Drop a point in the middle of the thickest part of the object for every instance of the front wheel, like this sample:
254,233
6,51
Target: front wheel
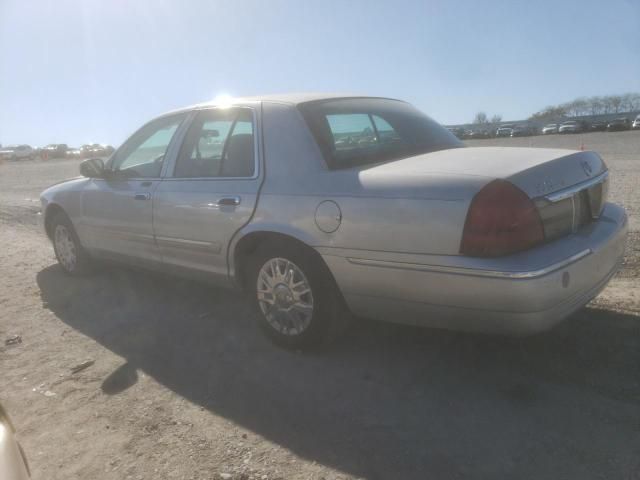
297,301
70,254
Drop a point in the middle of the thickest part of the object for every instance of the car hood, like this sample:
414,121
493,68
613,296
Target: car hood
459,173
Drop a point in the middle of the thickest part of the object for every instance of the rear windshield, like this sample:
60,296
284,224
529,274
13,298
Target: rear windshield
364,131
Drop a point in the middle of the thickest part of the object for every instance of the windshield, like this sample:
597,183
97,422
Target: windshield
364,131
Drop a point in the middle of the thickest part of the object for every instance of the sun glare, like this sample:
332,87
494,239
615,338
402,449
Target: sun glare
223,100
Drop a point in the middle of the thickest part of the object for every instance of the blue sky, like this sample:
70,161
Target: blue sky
78,71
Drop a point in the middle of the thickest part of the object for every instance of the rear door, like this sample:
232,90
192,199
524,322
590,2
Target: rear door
210,192
117,210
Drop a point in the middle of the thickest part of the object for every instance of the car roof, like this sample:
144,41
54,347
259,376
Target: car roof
284,98
291,98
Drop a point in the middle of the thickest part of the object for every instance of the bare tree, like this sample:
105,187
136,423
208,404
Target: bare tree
629,102
595,105
616,103
480,118
550,114
495,119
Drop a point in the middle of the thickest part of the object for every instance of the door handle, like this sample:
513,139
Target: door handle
229,202
142,196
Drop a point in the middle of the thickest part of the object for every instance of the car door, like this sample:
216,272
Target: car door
117,210
211,191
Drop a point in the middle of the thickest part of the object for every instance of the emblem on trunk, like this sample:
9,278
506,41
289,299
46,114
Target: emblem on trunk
586,167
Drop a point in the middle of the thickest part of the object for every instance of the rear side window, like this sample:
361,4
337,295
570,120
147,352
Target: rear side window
365,131
219,143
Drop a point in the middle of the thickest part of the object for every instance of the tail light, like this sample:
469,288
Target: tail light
501,220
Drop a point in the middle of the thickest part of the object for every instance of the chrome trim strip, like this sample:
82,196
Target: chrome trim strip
569,192
124,234
470,271
573,214
209,246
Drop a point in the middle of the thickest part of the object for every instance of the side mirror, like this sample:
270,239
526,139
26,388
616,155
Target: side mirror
92,168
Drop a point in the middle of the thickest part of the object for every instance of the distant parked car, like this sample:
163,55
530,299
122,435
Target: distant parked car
619,124
598,126
522,131
17,152
570,126
477,134
504,131
74,153
55,150
97,150
550,129
84,150
636,123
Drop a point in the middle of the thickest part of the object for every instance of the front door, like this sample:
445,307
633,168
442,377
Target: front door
211,192
118,210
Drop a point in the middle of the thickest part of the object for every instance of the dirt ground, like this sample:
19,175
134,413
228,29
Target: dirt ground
183,386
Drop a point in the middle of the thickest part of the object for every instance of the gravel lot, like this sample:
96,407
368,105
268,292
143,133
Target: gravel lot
183,386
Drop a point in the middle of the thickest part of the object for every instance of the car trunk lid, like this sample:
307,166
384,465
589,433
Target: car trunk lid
568,187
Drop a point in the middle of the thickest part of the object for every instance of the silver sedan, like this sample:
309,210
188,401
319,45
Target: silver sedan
322,207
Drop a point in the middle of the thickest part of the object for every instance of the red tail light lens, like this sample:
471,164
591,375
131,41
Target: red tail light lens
502,219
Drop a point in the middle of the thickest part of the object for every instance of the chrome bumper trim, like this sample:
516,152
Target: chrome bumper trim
569,192
469,271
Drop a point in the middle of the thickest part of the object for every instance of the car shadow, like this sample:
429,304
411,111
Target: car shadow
385,401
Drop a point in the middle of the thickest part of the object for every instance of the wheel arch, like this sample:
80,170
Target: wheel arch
49,213
246,244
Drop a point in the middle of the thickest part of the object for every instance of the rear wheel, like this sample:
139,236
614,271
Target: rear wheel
297,301
70,254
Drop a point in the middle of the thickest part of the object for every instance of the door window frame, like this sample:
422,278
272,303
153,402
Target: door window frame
169,172
170,153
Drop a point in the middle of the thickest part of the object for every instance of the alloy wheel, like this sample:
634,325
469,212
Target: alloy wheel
65,247
284,296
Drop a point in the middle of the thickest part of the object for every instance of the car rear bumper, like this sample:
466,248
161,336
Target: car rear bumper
518,294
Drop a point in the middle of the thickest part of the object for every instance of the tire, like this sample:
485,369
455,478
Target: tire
71,256
290,317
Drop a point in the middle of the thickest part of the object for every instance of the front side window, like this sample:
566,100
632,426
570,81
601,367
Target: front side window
142,156
364,131
219,143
